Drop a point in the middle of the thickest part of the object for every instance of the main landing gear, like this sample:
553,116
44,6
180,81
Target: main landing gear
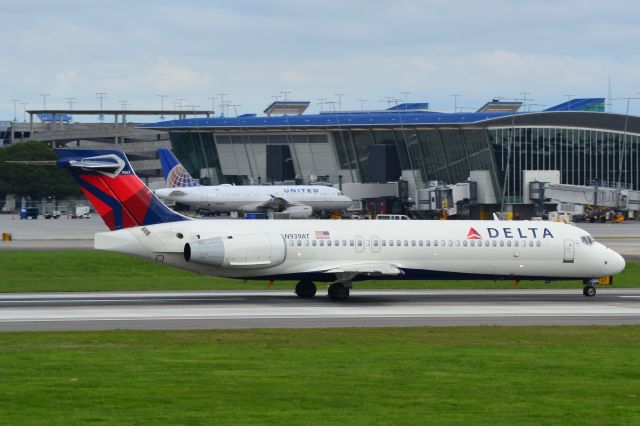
306,289
337,291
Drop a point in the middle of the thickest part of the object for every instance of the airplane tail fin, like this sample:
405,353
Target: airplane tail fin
113,188
174,172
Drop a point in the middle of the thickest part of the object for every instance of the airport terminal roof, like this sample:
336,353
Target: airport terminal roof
390,117
329,120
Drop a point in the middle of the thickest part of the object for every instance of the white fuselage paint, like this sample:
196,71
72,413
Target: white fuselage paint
502,248
228,198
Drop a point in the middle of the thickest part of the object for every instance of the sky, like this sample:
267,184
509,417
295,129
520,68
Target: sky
368,50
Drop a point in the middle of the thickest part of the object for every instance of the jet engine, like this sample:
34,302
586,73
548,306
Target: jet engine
299,212
240,251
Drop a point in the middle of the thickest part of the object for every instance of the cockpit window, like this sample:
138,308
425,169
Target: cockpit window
586,239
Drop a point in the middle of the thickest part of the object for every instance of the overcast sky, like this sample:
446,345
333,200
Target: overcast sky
253,50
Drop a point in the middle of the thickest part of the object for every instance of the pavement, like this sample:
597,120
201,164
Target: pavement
282,309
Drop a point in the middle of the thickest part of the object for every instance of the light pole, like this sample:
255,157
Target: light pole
213,105
406,96
101,96
362,101
71,101
124,104
162,106
221,97
569,101
284,94
44,100
339,96
15,109
321,102
524,99
455,101
24,111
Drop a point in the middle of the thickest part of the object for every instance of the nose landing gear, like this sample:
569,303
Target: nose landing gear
589,291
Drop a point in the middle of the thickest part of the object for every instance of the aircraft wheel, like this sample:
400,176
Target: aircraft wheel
589,291
306,289
337,291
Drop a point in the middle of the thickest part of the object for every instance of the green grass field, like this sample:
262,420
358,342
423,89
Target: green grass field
44,271
440,376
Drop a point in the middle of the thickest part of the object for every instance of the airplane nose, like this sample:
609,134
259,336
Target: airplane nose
616,263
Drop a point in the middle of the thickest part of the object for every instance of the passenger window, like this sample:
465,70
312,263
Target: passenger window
321,243
406,243
464,243
538,243
442,243
336,242
291,243
509,243
435,243
473,243
328,243
398,242
390,243
344,243
515,243
306,243
494,243
299,243
375,243
313,243
351,243
384,243
501,243
413,243
457,243
450,243
486,243
530,243
427,242
420,243
359,243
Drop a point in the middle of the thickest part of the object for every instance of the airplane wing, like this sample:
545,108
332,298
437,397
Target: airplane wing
370,269
276,203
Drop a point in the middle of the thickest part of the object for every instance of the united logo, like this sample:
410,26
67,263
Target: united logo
473,235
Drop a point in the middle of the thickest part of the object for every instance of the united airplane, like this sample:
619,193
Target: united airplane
299,201
338,252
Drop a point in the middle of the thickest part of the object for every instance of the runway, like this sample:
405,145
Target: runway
278,309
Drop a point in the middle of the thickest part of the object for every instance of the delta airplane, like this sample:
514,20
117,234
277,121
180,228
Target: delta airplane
300,201
340,252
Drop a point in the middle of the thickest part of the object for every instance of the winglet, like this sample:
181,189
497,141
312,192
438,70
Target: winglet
174,172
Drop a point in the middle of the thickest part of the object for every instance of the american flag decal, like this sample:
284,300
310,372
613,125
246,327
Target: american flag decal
322,235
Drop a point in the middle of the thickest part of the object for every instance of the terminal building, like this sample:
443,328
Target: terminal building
405,159
389,159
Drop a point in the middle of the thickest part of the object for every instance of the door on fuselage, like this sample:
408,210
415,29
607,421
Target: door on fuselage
569,251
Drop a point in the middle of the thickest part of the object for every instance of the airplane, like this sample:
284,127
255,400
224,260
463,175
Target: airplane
341,252
300,201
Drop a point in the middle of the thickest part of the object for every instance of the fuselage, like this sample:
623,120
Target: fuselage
228,198
419,249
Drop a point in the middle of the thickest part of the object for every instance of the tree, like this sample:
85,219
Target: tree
33,181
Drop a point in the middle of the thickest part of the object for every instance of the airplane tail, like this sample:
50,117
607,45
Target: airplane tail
113,188
174,172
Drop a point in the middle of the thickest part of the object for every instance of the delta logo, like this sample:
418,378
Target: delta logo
473,235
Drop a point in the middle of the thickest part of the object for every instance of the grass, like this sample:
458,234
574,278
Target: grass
443,376
49,271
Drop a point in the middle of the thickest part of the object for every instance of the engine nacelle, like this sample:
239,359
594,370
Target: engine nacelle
299,212
240,251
